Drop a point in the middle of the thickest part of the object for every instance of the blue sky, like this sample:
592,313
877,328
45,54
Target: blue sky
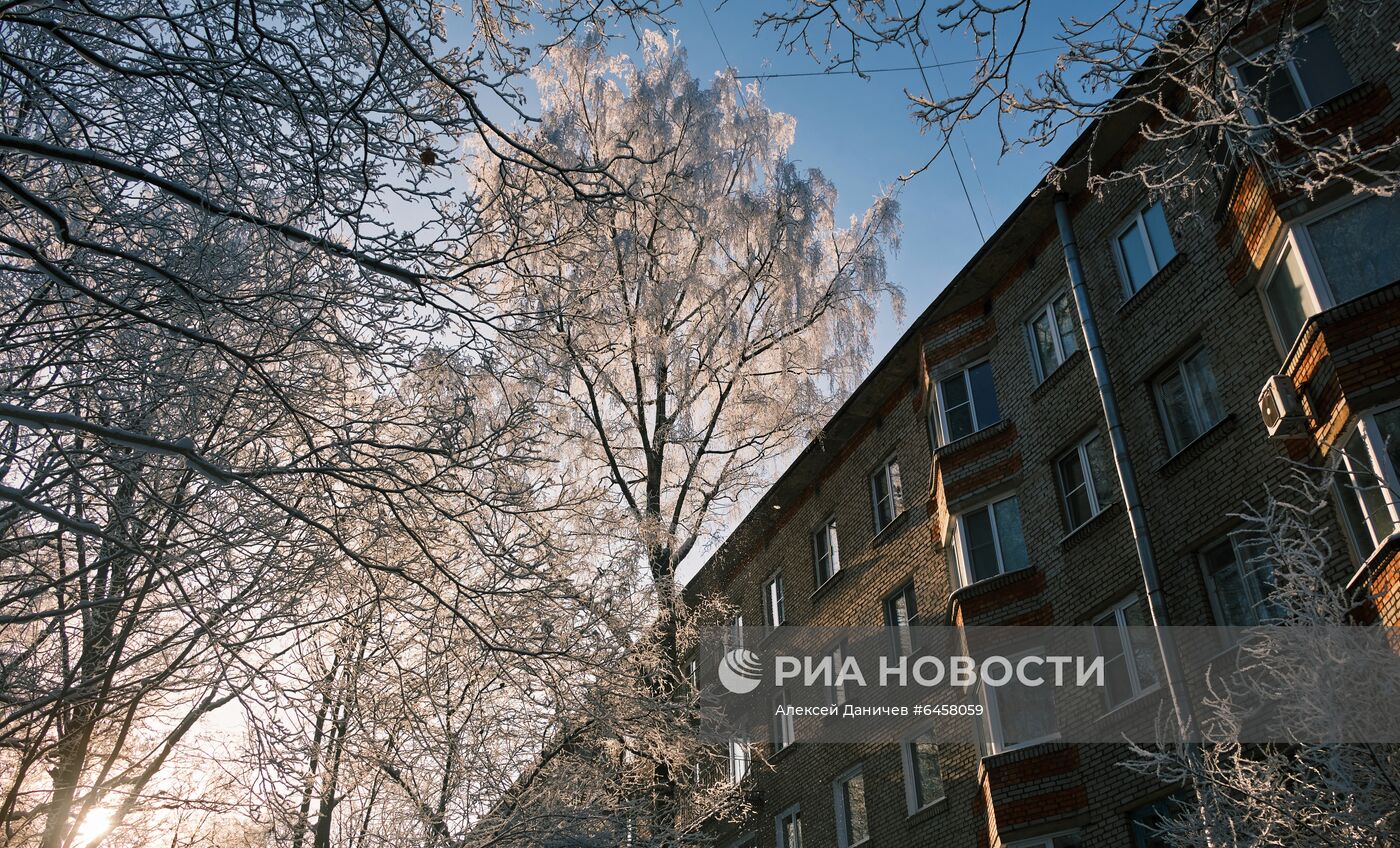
860,133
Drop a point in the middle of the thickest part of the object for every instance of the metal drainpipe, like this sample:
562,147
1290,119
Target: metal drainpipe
1137,519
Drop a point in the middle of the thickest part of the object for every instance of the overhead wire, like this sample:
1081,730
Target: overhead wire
971,160
920,66
967,195
865,71
722,54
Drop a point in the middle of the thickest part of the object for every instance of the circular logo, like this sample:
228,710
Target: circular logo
740,671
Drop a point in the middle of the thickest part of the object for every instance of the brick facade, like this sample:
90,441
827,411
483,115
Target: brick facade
1207,297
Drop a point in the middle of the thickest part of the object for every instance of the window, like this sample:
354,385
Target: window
1146,821
852,826
836,691
1142,247
886,494
739,758
825,553
987,541
1086,480
783,729
1290,297
774,614
923,780
1368,487
1019,715
1052,335
900,612
789,827
1312,75
1330,258
1188,401
1238,583
967,402
1058,840
734,638
1129,652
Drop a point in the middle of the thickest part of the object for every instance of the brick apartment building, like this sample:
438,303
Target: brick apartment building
970,479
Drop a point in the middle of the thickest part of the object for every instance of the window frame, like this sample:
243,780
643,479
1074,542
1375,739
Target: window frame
836,692
894,490
1138,219
1141,818
782,729
996,743
740,757
962,560
1120,625
1294,78
1086,470
1294,235
1178,368
734,635
843,837
902,637
912,778
774,608
965,372
795,813
1047,311
1379,466
1253,591
826,531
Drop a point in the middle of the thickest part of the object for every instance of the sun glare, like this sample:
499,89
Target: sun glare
94,826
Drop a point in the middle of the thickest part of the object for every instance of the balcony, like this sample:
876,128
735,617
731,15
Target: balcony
1345,360
1029,789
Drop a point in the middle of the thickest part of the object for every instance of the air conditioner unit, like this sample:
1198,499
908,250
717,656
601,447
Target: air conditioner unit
1279,407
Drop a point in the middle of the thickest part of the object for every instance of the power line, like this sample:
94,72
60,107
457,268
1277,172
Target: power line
971,160
913,51
863,71
720,45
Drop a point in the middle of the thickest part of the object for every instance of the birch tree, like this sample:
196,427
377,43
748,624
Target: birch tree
1195,77
692,331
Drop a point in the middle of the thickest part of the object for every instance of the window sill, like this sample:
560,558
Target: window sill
1130,706
990,584
1153,284
945,450
1327,108
1024,751
826,585
1389,547
1074,536
928,811
1054,377
769,630
891,530
1182,457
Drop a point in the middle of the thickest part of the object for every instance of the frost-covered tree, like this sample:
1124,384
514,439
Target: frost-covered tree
1307,791
680,338
1205,85
245,379
696,328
